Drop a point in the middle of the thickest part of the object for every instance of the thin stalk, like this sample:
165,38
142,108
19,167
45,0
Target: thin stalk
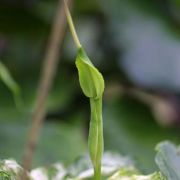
71,26
49,70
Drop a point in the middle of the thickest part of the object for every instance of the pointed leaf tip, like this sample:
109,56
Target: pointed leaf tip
91,80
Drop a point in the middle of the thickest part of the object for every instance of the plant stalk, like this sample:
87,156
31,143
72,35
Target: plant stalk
48,73
71,26
96,141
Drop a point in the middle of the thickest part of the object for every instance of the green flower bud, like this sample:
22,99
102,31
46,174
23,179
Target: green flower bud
91,80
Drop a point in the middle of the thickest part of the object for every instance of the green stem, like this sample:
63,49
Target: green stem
95,141
97,173
71,26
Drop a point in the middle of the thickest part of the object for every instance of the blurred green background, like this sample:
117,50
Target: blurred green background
136,46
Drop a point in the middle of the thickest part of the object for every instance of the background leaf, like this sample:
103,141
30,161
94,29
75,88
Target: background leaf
168,160
6,77
130,129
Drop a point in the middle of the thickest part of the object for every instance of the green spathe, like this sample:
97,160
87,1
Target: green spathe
92,84
91,80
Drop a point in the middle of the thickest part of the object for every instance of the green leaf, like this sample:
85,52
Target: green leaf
4,176
91,80
6,77
168,160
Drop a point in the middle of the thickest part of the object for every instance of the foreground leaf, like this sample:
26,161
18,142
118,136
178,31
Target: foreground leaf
111,162
168,160
132,174
10,170
114,167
